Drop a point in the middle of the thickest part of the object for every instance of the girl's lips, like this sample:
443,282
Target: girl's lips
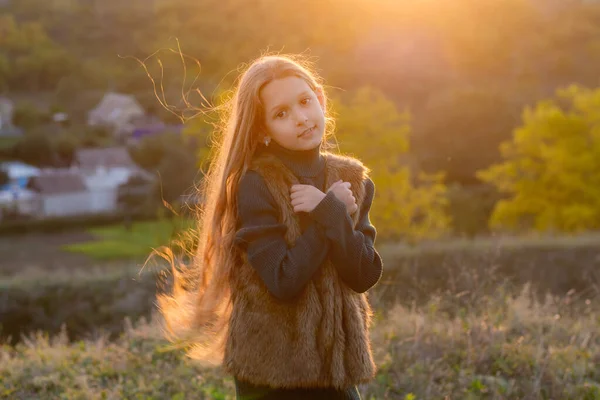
307,132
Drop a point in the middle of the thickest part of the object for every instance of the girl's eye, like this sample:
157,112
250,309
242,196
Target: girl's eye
306,100
281,114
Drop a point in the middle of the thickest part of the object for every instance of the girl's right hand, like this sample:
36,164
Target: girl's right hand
342,191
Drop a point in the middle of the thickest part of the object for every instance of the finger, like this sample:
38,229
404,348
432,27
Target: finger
334,185
299,208
296,188
347,184
295,195
298,201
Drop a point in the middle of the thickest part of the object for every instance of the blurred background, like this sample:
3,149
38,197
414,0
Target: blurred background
480,121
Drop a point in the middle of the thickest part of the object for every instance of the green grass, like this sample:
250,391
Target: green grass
115,242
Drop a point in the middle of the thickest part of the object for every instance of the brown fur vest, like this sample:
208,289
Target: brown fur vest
321,338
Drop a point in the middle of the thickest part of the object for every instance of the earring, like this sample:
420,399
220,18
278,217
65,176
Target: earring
267,141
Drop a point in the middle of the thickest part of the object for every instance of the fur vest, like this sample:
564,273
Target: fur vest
321,338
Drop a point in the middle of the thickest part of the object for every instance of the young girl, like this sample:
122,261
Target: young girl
286,248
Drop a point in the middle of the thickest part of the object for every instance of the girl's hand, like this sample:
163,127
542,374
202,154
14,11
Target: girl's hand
305,197
342,191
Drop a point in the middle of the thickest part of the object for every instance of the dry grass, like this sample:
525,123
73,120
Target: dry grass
510,350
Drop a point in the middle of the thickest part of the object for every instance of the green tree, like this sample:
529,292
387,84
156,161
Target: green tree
405,206
171,157
551,168
177,173
28,116
35,62
65,145
4,178
35,148
199,130
150,152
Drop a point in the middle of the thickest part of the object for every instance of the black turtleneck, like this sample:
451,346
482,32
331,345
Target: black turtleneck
303,163
327,231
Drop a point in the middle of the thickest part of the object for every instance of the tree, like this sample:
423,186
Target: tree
36,149
28,116
199,130
460,130
65,146
177,174
551,167
371,128
172,158
31,60
4,178
150,152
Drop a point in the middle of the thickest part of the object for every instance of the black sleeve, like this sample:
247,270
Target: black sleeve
285,271
352,251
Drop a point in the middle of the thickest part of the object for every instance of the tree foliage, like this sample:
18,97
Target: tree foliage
551,167
29,59
460,131
371,128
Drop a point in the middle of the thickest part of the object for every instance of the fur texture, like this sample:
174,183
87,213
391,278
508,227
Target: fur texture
321,339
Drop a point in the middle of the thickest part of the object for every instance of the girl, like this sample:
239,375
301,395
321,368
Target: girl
286,248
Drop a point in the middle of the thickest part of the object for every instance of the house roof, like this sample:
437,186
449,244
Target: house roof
17,169
106,157
113,104
57,183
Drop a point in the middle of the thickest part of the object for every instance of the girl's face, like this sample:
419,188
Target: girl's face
294,115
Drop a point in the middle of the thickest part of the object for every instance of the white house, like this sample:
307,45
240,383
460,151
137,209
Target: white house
116,111
24,201
103,171
61,193
14,195
6,116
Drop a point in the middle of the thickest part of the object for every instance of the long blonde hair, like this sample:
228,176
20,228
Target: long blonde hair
197,310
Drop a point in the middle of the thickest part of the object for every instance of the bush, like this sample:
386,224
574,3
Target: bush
65,223
470,208
464,271
95,302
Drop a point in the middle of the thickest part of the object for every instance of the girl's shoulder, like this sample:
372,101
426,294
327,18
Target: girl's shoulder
347,165
252,189
343,159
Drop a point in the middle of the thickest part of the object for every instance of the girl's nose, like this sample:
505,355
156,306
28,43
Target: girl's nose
301,119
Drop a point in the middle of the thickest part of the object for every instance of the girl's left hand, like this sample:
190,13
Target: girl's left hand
305,197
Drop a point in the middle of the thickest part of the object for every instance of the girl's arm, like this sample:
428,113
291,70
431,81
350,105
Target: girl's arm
352,249
285,271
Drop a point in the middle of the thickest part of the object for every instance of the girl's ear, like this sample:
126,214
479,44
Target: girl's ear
321,97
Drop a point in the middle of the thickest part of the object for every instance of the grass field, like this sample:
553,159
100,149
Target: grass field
117,242
508,351
499,348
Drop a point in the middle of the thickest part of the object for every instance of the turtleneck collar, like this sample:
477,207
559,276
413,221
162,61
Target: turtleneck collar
305,163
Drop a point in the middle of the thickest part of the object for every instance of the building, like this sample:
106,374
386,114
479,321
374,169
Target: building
61,193
18,174
117,112
7,129
104,171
